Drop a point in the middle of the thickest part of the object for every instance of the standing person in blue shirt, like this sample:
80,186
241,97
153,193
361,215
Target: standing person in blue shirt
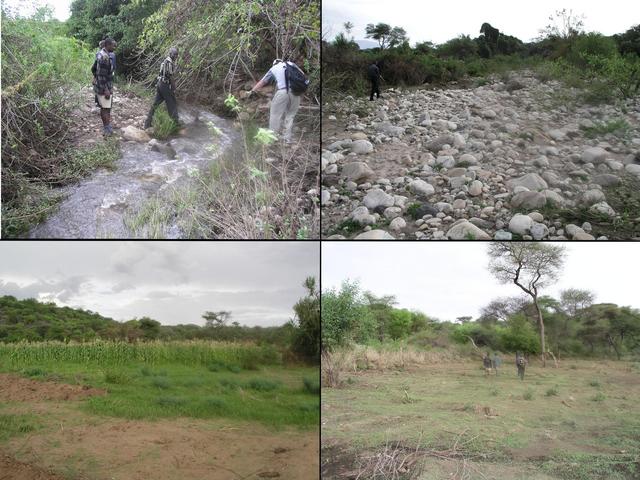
496,361
103,84
290,82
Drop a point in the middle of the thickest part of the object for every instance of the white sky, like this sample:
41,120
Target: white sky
439,21
447,280
61,8
172,282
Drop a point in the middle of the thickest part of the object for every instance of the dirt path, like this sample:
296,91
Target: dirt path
173,450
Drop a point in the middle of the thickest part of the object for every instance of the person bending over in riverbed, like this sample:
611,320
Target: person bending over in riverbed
165,89
290,82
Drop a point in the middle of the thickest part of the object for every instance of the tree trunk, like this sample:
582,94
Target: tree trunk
541,326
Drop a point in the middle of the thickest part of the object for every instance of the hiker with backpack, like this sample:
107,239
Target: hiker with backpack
166,88
521,362
103,84
291,83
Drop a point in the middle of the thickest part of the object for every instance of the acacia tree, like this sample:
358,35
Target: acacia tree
216,319
386,36
530,266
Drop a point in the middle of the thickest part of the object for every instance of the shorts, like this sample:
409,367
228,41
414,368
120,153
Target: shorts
103,102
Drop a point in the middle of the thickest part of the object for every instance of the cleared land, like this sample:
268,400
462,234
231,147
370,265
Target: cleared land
580,421
191,410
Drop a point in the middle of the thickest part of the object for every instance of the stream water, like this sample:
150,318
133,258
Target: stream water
98,206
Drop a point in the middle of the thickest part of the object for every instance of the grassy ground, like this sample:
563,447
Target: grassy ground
580,421
177,381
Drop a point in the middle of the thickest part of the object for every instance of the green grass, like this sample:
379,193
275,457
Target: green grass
151,220
451,401
163,124
593,467
272,395
37,199
14,425
81,163
106,353
552,392
619,127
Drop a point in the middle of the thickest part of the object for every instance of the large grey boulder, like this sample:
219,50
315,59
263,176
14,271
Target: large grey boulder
375,235
357,172
377,198
532,181
421,188
465,230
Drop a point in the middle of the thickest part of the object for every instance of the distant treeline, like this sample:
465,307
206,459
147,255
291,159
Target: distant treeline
567,51
574,325
30,320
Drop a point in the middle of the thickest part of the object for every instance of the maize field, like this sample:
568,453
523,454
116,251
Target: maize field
121,353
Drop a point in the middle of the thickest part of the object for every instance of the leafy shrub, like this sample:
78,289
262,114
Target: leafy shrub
34,372
117,377
227,384
594,383
160,382
262,385
598,397
311,385
163,125
171,402
590,44
216,404
551,392
528,395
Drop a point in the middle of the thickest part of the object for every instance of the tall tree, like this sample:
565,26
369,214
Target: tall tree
216,319
386,36
530,266
306,339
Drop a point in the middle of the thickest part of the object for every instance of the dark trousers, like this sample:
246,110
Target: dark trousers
163,94
375,87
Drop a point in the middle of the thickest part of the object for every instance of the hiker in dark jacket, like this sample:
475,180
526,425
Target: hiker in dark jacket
374,77
165,88
486,363
285,103
103,84
521,362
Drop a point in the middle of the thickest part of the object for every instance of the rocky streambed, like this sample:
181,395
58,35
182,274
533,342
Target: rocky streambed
513,159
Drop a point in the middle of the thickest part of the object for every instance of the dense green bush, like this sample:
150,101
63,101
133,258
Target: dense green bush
590,44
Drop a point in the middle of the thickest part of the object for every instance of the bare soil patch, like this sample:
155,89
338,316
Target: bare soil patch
11,469
18,389
175,450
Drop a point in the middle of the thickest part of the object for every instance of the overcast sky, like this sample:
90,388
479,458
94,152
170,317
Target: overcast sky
61,8
172,282
449,280
438,21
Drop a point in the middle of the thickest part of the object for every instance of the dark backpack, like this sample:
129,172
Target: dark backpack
297,82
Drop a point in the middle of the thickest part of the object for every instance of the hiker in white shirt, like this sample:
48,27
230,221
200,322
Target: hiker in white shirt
285,102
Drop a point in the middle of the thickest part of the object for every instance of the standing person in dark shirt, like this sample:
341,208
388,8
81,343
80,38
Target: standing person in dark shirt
103,84
521,362
165,88
374,77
